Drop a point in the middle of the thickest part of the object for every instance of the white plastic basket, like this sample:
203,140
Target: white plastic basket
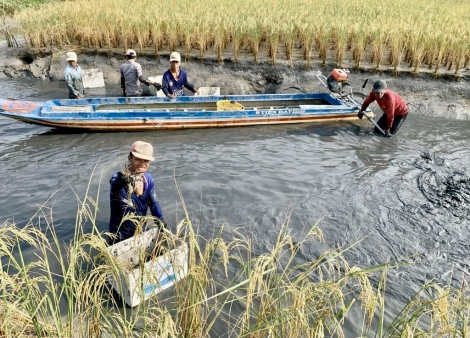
144,279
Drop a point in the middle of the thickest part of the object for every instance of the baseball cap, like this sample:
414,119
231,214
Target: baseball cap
379,86
142,150
71,56
175,56
131,52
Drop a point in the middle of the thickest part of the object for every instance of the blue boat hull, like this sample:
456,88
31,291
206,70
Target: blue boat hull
153,113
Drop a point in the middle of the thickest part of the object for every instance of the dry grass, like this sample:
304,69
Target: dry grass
60,290
388,35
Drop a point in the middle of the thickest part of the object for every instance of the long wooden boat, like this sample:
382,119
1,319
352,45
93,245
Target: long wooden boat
154,113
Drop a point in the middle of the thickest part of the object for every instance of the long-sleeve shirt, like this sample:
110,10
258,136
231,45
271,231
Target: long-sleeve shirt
121,205
176,87
391,104
73,78
131,74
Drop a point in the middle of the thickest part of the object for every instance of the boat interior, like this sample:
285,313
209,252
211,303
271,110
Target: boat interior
212,106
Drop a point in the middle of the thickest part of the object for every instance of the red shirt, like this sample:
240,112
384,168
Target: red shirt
391,104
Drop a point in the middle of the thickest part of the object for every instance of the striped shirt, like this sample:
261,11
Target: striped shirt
131,71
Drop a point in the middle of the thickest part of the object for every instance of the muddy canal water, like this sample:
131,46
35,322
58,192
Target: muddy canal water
402,196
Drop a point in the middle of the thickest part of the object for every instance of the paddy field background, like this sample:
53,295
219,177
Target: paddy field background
400,35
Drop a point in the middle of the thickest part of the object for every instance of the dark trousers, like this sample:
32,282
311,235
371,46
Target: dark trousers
397,122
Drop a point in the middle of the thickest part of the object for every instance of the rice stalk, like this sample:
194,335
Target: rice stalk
201,37
379,44
307,39
220,36
290,32
238,38
340,37
156,34
322,40
189,38
274,35
397,48
255,35
280,290
99,23
358,45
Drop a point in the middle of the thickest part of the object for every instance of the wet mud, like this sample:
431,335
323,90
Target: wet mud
444,186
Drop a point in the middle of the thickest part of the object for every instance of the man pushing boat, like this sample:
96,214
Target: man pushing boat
394,108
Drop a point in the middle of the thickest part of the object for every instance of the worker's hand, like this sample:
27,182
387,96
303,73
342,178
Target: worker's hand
126,178
387,134
157,85
360,114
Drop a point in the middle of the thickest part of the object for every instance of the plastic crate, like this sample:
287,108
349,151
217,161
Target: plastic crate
146,275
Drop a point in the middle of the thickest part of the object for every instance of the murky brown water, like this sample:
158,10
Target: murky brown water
403,196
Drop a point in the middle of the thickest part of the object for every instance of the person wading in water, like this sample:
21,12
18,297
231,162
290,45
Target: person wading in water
132,193
394,108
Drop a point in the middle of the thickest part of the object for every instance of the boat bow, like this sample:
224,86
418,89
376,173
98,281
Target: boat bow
12,108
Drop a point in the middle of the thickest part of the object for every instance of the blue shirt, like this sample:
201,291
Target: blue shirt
176,87
139,205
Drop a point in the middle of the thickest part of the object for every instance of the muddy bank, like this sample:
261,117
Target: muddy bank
447,96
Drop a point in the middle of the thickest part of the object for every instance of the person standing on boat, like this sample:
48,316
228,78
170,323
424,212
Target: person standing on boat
394,108
132,194
131,75
73,77
175,79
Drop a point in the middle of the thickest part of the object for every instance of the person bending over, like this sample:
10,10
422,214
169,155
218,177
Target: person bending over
132,194
394,108
131,75
175,79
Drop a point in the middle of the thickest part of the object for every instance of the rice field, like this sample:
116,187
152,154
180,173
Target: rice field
397,35
60,289
9,7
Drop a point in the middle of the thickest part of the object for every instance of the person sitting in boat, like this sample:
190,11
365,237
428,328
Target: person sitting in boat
73,76
175,79
131,75
394,108
132,193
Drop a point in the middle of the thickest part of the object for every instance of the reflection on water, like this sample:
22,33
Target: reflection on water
403,196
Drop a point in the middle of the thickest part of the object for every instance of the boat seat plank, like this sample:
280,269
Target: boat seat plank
60,109
158,106
209,106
